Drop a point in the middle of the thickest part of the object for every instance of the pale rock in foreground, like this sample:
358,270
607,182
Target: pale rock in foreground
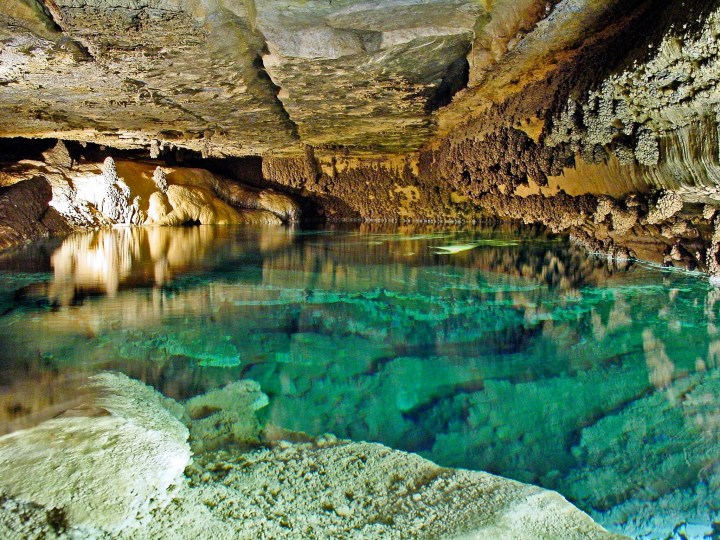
339,489
114,469
102,467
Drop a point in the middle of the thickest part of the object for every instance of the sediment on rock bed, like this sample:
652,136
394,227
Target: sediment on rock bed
324,487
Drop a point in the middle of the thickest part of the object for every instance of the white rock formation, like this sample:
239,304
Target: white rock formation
113,194
104,467
190,204
160,179
127,193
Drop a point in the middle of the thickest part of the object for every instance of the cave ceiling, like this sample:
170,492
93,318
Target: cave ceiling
233,77
267,77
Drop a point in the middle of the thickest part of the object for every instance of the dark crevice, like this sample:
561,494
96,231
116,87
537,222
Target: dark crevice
18,148
264,76
52,12
455,78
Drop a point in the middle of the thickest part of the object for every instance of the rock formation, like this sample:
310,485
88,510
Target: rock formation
106,464
25,214
89,194
440,110
114,467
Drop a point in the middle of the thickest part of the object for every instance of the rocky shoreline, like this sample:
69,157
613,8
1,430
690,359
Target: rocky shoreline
120,466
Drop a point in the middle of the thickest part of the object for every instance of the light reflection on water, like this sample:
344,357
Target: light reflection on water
500,350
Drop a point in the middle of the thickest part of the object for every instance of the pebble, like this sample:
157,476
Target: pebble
343,510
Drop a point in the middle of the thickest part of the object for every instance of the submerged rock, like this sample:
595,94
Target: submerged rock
114,469
226,415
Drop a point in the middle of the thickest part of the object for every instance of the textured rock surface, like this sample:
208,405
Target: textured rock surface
75,486
226,415
25,214
440,110
104,465
57,195
432,363
234,78
331,489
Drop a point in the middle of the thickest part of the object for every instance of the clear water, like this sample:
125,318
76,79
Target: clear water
503,350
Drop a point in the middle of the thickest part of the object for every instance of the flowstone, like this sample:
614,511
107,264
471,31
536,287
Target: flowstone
102,467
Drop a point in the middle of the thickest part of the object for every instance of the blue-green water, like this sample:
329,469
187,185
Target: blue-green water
503,350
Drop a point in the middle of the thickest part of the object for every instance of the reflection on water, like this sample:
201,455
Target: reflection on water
500,349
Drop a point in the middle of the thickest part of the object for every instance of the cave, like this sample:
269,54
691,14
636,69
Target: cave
359,269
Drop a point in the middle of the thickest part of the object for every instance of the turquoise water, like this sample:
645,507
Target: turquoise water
499,349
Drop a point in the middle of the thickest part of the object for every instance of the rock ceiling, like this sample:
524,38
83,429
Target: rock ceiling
246,77
232,76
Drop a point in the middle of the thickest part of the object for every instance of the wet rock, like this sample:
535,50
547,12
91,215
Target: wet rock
104,467
279,204
75,485
192,205
225,415
25,213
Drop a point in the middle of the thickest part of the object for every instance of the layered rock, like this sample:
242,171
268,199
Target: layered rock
587,104
234,78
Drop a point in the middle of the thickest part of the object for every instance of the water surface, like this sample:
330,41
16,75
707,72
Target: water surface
502,349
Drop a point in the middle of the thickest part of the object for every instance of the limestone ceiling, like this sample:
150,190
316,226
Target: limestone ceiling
232,77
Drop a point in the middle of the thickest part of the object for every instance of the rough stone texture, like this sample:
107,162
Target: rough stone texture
225,415
236,78
111,65
525,110
331,489
25,214
89,194
103,465
73,486
378,66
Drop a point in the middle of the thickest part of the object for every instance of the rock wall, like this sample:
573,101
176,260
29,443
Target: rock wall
587,116
607,131
60,193
25,214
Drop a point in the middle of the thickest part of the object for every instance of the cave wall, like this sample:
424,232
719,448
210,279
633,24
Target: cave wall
601,122
596,118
